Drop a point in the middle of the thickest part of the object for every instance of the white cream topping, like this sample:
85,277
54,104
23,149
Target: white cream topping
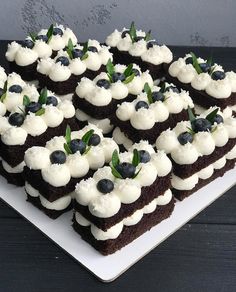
16,169
120,138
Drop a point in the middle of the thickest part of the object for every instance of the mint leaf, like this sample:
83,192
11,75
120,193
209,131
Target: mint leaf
110,67
129,79
115,158
148,91
148,36
70,48
191,116
128,70
87,150
67,148
23,112
132,32
5,87
210,117
68,134
137,173
43,96
210,60
85,48
4,95
49,33
85,56
195,63
40,112
163,88
115,172
136,158
26,100
33,36
86,137
191,131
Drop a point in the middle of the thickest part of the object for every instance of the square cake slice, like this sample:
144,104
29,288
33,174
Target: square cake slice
122,201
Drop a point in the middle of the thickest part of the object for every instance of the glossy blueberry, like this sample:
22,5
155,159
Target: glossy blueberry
205,67
52,100
16,119
126,170
124,33
139,38
157,96
201,125
28,44
77,145
144,156
1,91
58,157
135,72
218,119
173,88
150,44
76,53
105,186
63,60
185,138
42,37
118,76
189,60
57,31
218,75
103,83
92,49
141,104
33,107
94,140
15,88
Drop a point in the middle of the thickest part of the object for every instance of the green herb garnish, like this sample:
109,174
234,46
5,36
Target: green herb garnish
129,75
4,95
211,116
49,33
136,158
26,100
114,162
33,36
132,32
68,140
147,36
195,63
43,96
110,70
85,50
40,112
148,91
70,48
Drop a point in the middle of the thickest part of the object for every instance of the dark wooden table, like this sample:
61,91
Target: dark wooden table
201,256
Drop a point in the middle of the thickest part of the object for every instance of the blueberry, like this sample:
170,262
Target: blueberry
144,156
173,88
94,140
103,83
105,186
126,170
92,49
141,104
205,67
52,100
1,91
58,157
201,125
63,60
77,145
76,53
15,89
57,31
42,37
124,33
150,44
135,72
16,119
118,76
218,119
189,60
33,107
28,44
157,96
185,138
218,75
139,38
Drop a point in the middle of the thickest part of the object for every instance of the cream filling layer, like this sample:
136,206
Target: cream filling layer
14,170
115,231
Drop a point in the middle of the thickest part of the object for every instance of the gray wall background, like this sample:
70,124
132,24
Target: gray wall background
174,22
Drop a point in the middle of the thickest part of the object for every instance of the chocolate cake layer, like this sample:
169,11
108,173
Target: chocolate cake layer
14,154
27,73
123,57
201,98
51,193
186,170
148,194
128,234
151,134
98,112
53,214
67,86
12,178
180,195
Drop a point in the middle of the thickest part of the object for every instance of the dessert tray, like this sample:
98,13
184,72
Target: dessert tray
108,268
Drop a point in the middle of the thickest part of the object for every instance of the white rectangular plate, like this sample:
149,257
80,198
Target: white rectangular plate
108,268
